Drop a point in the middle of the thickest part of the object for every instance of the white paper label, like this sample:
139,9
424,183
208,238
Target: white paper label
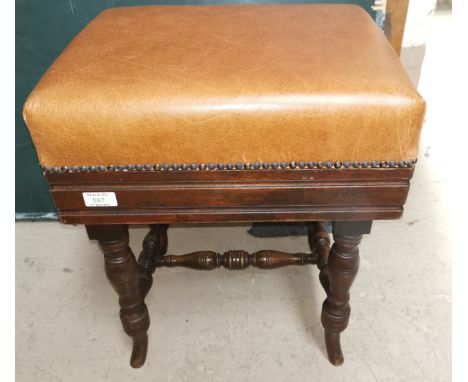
100,199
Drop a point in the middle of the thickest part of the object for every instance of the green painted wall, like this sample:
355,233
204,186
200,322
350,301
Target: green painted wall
43,29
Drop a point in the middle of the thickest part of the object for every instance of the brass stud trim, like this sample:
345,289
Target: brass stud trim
257,166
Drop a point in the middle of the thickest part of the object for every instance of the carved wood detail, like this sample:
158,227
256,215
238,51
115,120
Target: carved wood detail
342,267
132,281
122,272
319,240
154,246
236,259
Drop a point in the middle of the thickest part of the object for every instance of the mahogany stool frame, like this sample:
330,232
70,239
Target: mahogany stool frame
349,194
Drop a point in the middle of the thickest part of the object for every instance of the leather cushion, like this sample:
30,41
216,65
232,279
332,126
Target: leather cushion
233,83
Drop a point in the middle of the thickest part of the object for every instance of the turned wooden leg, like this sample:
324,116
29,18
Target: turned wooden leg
154,246
122,272
319,241
342,267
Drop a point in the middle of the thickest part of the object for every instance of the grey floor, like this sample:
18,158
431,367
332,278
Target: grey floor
252,325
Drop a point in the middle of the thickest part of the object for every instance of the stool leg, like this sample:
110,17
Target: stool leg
342,266
154,246
122,272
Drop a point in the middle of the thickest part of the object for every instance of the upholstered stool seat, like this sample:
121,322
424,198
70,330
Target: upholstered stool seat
202,114
226,85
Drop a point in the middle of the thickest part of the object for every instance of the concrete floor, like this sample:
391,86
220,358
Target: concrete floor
252,325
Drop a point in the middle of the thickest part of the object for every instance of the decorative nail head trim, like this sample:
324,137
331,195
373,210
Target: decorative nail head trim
293,165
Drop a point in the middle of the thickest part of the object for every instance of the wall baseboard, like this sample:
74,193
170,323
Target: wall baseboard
36,216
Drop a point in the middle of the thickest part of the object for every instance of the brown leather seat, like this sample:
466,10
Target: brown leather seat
199,84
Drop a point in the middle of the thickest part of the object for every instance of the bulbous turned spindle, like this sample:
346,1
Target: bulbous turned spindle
122,271
236,259
343,264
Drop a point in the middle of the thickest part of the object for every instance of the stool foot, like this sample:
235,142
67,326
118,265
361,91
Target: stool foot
140,348
332,342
